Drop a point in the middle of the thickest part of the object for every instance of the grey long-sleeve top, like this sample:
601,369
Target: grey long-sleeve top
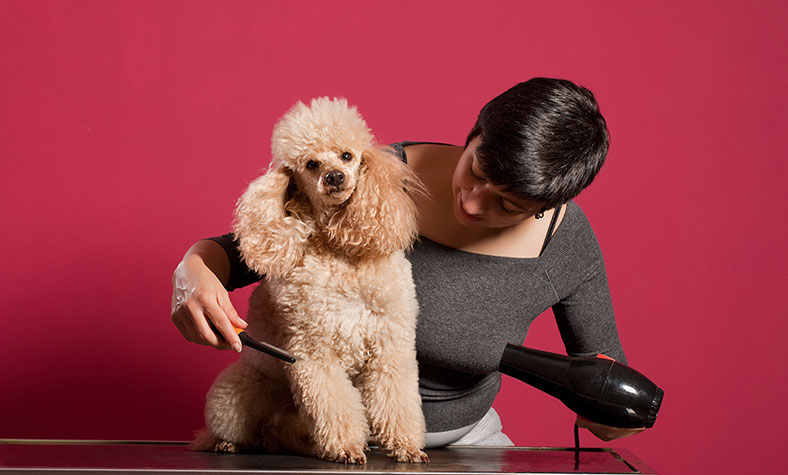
471,305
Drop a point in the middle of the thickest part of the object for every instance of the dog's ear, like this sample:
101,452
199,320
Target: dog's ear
269,226
380,218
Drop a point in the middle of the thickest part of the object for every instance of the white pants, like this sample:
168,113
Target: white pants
487,431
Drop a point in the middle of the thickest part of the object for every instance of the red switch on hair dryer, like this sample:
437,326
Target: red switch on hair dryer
597,388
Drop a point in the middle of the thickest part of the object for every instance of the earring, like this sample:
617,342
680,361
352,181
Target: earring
540,215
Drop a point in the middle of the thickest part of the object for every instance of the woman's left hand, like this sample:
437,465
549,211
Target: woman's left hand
606,433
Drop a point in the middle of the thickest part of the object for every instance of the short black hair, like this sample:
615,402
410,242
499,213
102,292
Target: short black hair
543,140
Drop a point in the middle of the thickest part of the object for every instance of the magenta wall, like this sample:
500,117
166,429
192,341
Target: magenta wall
128,129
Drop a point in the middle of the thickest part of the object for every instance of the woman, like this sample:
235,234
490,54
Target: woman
501,241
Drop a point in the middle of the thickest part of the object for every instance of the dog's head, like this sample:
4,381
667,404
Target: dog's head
329,184
322,146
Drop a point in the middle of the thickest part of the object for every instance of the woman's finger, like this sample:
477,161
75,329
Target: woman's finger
203,332
221,322
227,306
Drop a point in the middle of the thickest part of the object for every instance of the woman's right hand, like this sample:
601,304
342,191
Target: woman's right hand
198,297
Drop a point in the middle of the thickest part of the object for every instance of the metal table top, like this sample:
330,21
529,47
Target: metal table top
146,457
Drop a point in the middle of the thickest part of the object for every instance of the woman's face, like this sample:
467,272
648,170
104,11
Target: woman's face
478,202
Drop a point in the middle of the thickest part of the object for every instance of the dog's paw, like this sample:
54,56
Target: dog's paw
346,456
410,456
226,447
204,441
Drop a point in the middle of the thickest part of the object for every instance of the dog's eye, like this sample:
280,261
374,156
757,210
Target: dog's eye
347,156
311,164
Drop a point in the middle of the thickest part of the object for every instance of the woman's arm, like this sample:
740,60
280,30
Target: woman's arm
199,296
586,320
588,327
240,275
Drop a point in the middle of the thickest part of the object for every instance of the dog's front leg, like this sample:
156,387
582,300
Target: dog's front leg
390,392
326,397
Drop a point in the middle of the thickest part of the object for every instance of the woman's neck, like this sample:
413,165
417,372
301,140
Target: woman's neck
434,165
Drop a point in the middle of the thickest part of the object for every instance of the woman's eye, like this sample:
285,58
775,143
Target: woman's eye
509,210
311,164
347,156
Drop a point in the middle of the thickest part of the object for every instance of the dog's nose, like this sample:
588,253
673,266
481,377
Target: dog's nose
334,178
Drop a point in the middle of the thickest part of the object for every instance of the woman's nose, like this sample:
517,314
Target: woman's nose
476,201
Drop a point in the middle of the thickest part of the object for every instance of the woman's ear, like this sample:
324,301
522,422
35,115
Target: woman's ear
271,238
380,217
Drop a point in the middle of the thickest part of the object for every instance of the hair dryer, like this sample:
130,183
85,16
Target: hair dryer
597,388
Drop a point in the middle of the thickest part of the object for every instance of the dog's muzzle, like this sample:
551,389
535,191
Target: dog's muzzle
334,179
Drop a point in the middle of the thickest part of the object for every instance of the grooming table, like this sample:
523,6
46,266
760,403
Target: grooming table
99,457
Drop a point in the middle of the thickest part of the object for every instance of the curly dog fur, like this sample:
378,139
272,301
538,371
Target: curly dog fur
328,226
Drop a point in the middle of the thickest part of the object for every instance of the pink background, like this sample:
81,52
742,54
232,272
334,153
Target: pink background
128,130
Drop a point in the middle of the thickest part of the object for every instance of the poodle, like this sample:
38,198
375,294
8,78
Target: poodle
328,226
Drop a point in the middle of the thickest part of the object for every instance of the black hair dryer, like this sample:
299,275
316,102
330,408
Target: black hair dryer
597,388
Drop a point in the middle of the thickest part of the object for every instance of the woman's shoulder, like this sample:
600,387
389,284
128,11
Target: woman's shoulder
574,240
399,150
415,153
576,220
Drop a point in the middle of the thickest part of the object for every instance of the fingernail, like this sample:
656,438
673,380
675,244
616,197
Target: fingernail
237,347
243,321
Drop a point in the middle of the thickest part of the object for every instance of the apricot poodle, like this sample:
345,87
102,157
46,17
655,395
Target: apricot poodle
328,226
